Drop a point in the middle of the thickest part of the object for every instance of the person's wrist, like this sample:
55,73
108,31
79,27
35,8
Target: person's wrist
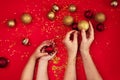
82,51
44,60
72,56
33,58
71,60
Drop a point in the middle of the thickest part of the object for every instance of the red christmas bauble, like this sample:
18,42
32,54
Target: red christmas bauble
3,62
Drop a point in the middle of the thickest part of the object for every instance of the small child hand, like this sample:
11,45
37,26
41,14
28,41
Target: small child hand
87,39
48,57
71,45
38,53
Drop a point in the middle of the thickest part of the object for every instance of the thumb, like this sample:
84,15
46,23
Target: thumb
83,34
43,54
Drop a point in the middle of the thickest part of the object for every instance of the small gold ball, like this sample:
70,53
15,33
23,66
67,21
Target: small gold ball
25,41
51,15
83,24
114,3
26,18
72,8
68,20
55,8
100,17
11,23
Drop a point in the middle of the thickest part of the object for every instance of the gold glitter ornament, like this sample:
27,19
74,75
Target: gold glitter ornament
55,8
26,18
83,24
114,3
51,15
68,20
11,23
100,17
72,8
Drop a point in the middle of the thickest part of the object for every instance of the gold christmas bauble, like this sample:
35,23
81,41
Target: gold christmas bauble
100,17
11,23
26,18
51,15
55,8
114,3
72,8
68,20
83,24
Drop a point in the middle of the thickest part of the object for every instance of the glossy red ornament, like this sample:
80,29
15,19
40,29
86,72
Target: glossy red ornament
100,27
50,49
3,62
74,26
89,14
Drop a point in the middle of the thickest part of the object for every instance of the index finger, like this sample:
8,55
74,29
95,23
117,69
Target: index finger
67,37
91,30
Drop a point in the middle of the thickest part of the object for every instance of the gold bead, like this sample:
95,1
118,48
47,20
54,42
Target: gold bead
26,18
25,41
72,8
114,3
68,20
100,17
11,23
55,8
83,24
51,15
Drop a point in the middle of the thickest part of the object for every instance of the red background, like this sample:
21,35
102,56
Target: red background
105,50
